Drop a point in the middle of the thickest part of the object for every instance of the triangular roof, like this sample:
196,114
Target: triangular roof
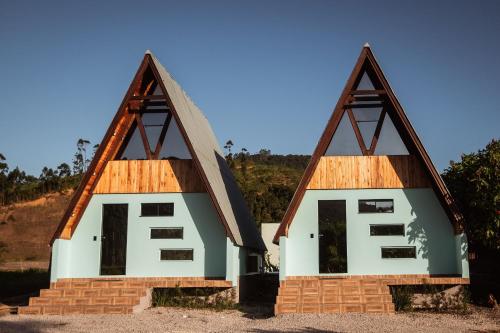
203,147
366,63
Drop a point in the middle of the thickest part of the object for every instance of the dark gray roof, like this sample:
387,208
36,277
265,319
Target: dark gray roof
224,190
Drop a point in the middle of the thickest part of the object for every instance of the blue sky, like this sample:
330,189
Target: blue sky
267,74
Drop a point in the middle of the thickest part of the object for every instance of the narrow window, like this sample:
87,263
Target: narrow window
167,233
376,206
399,252
387,230
176,254
252,264
157,209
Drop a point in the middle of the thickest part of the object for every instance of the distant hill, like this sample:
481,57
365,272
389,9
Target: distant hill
267,182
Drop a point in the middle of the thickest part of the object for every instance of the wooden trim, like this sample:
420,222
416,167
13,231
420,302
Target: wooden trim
107,149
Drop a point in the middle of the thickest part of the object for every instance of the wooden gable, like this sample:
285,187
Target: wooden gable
362,167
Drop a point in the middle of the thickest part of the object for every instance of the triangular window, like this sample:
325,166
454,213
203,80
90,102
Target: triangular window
153,124
365,83
344,140
389,141
174,145
367,120
134,147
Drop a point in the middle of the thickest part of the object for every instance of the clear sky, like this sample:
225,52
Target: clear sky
267,74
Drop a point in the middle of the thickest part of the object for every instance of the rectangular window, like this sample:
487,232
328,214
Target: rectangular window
252,264
176,254
157,209
387,230
376,206
399,252
167,233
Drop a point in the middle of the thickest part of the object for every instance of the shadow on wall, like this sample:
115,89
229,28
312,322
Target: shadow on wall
431,232
212,236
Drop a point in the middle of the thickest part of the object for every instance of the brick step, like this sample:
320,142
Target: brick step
345,290
74,309
97,300
334,308
93,292
337,299
331,283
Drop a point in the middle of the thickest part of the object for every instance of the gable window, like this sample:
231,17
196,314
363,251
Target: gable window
157,209
167,233
376,206
387,230
176,254
399,252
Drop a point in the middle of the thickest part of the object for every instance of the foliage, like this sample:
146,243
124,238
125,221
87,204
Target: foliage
267,181
441,301
16,185
268,266
195,298
474,183
402,297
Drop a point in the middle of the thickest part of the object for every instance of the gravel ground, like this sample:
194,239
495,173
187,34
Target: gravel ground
183,320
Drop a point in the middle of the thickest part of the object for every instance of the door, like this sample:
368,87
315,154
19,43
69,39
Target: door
114,239
332,236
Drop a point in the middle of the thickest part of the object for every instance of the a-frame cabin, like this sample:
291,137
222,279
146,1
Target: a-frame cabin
158,207
370,210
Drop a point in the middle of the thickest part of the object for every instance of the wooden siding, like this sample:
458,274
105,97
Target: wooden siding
149,176
348,172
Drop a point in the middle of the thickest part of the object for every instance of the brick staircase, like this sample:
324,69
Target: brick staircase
333,295
106,296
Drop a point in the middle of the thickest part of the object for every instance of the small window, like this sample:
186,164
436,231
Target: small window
167,233
157,209
177,254
252,264
399,252
376,206
387,230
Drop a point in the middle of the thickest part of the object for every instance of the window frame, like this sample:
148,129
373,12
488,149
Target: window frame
388,225
166,228
171,249
375,200
398,247
157,209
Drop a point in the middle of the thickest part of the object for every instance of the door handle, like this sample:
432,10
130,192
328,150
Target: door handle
103,237
320,235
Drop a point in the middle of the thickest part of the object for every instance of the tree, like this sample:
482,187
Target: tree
80,160
474,183
63,170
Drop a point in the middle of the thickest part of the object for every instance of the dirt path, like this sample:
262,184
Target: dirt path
181,320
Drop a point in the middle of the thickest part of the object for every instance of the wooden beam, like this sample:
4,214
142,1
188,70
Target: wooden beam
148,97
363,106
377,132
368,92
144,137
159,144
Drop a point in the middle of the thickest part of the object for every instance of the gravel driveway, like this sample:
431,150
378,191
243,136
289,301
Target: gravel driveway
184,320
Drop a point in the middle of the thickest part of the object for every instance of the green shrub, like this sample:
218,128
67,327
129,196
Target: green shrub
402,297
194,298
